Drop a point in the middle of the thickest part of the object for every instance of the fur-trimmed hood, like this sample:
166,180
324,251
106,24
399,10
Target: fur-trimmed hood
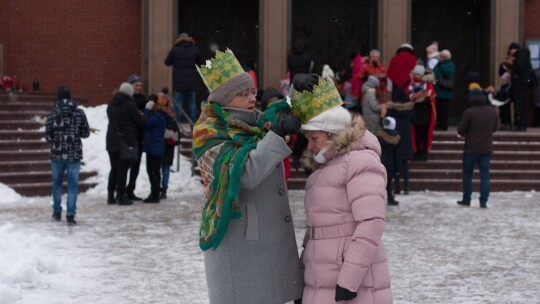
355,137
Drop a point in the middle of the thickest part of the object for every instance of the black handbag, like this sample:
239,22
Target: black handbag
129,153
446,83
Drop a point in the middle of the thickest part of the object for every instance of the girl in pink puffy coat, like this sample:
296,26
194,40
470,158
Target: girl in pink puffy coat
344,256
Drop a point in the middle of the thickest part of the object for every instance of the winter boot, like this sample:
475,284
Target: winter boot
131,195
124,201
110,198
163,194
57,216
70,219
152,199
464,204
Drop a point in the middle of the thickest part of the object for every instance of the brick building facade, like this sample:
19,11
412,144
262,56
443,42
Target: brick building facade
93,46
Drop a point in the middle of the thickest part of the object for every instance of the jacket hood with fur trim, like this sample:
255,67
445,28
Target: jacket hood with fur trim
355,137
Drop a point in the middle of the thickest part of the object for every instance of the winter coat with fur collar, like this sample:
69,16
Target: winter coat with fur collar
345,205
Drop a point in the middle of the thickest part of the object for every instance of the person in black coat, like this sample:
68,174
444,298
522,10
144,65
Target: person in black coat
522,78
124,123
140,100
183,57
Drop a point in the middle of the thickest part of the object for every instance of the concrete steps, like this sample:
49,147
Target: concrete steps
24,153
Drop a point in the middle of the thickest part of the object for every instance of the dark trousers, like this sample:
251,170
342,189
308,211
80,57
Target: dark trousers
134,173
483,161
517,96
153,167
421,133
117,175
537,117
443,106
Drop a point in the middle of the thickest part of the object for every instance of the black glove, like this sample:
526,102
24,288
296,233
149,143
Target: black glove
286,124
305,82
343,294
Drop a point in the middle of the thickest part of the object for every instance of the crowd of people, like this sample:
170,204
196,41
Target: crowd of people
354,132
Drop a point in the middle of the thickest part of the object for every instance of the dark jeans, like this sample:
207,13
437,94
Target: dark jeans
483,161
134,173
517,93
153,167
443,106
403,170
421,133
189,97
117,175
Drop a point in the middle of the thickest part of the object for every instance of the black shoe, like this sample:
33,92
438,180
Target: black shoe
392,203
70,219
152,199
406,191
505,127
111,200
397,191
483,206
464,204
57,216
124,201
163,194
133,197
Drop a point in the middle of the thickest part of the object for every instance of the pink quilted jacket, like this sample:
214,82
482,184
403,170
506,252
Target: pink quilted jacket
345,205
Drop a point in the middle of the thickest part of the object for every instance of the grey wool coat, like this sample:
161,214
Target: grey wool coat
257,260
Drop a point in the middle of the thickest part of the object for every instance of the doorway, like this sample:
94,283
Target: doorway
462,27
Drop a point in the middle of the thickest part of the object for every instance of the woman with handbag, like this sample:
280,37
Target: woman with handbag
444,73
122,137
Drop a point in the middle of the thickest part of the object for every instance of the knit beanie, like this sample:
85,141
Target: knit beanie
475,92
126,88
226,92
332,121
63,92
134,78
372,81
270,93
446,54
418,70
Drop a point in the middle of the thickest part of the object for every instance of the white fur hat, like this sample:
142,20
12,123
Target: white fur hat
332,121
126,88
389,123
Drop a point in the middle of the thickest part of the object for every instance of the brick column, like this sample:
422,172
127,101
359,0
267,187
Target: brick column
274,16
159,32
507,27
394,26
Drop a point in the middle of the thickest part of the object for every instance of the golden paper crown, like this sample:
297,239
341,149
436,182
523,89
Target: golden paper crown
307,105
219,70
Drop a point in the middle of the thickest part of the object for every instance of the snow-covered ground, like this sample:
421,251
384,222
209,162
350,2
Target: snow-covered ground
438,252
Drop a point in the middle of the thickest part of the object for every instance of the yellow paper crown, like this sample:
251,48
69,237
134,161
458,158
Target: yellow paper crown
219,70
306,105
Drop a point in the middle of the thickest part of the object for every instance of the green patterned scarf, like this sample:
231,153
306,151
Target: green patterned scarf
236,138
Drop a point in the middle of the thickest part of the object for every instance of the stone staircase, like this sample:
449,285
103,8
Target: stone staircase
515,164
24,153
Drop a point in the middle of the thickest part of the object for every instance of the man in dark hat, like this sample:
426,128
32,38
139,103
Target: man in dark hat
65,127
477,126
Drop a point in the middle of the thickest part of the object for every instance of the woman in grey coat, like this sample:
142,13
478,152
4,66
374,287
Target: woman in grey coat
247,233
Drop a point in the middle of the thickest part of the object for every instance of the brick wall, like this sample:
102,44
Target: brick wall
532,19
91,46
